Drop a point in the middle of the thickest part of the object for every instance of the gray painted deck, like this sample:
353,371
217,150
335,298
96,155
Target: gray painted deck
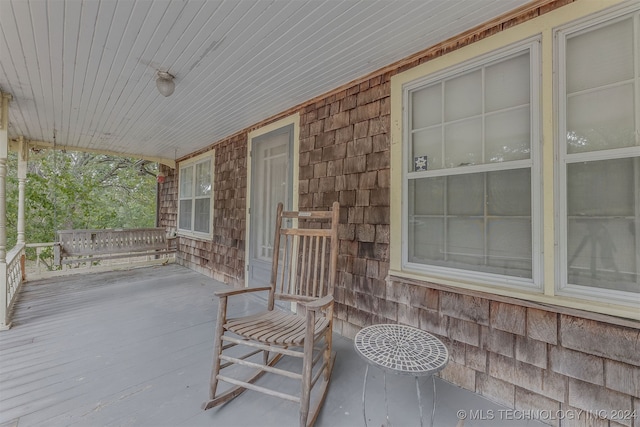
133,348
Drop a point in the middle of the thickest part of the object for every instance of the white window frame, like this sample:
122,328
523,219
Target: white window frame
535,282
209,156
561,34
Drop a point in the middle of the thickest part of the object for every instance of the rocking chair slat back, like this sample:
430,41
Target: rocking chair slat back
304,267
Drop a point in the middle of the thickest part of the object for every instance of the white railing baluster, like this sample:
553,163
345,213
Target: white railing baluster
13,282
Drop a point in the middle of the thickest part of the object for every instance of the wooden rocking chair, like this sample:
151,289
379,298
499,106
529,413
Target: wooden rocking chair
304,273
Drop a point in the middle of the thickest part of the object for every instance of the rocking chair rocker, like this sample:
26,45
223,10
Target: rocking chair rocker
303,273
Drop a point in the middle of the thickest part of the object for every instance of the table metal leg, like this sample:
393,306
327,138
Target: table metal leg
433,409
419,400
364,390
386,404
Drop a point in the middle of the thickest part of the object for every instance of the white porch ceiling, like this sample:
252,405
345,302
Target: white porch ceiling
85,71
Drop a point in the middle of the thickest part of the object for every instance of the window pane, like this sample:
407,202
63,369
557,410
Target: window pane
601,120
508,136
203,178
463,143
185,214
465,243
600,56
465,194
509,193
186,182
507,83
485,227
426,107
426,240
509,247
463,96
602,188
201,219
476,130
427,144
603,213
602,253
426,196
278,184
426,220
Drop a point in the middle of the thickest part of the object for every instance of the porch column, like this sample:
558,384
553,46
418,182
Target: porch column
4,151
23,157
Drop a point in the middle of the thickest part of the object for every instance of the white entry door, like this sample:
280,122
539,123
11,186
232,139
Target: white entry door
271,183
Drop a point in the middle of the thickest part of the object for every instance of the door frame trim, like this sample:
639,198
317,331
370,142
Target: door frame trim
295,169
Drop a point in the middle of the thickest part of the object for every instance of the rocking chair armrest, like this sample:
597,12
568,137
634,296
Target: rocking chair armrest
231,292
320,304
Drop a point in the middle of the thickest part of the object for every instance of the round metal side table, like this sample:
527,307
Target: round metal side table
401,350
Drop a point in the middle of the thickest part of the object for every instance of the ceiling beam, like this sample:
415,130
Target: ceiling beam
39,145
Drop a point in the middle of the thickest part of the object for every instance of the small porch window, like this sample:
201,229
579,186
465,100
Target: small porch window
195,197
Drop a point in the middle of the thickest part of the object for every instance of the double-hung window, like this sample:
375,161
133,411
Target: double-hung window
195,197
471,170
599,153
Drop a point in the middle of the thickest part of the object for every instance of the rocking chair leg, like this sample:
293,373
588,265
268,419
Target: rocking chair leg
306,393
217,348
307,367
327,354
215,370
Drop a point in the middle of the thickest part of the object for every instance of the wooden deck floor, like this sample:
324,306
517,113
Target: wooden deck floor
133,348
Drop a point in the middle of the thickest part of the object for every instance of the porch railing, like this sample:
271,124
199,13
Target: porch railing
14,271
43,258
80,249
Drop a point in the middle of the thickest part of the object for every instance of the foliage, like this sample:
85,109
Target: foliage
74,190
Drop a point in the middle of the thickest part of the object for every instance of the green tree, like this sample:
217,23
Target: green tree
74,190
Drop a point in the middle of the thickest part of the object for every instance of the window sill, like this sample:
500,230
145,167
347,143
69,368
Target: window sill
195,236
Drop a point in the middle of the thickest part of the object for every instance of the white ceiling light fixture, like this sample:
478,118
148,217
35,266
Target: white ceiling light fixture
165,83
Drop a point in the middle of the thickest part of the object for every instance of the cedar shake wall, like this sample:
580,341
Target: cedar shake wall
221,258
521,355
168,198
229,222
344,156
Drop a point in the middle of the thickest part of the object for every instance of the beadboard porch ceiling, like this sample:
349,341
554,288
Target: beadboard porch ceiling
84,71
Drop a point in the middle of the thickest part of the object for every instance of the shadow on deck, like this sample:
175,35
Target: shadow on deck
133,348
